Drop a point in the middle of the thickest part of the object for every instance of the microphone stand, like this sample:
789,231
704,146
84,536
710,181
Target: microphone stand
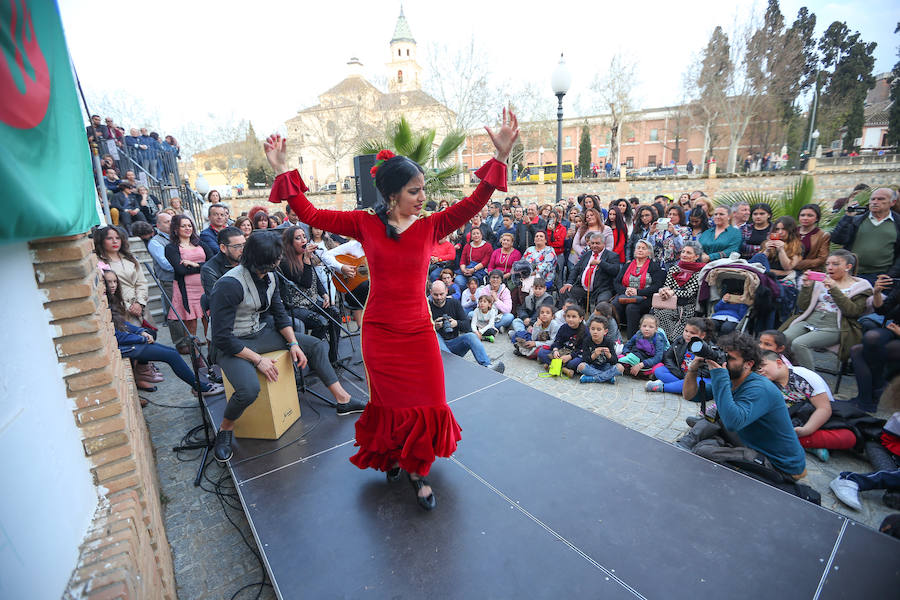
344,290
207,443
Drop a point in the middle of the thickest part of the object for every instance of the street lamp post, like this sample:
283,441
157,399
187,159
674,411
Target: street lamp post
815,143
561,80
541,164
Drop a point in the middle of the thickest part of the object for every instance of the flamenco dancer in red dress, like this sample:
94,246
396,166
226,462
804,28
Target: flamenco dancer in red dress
407,422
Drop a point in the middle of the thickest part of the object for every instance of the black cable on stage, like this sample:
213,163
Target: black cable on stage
294,441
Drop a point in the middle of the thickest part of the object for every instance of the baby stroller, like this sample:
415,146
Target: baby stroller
741,286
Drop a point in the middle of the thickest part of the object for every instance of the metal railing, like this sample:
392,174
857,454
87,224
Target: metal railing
164,185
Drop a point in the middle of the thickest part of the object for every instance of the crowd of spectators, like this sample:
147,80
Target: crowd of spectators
130,162
603,290
579,270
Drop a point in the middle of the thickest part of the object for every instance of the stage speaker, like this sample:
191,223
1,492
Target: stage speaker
367,195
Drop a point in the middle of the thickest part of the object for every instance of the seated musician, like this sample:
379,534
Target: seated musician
248,320
335,258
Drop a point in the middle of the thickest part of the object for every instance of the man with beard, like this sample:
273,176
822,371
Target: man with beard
754,416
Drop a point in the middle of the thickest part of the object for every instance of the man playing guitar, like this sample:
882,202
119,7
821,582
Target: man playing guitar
359,291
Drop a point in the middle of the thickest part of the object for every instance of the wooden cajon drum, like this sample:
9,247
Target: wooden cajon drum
276,408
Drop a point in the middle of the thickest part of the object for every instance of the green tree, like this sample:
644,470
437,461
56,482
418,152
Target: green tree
440,173
847,63
893,136
584,152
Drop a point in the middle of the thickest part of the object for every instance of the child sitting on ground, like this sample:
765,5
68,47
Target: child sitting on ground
483,319
453,290
528,312
644,350
605,310
598,354
567,343
537,336
467,299
560,316
670,374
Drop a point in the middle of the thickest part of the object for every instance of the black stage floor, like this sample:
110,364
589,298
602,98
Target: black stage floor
541,500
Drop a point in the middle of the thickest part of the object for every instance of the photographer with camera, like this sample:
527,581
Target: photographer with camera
873,234
454,329
750,407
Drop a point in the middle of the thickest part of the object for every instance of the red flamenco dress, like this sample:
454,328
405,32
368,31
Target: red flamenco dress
407,419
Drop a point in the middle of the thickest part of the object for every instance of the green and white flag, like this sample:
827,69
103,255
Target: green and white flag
46,180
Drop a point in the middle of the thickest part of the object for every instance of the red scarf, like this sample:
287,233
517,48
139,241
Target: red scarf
686,270
632,270
619,240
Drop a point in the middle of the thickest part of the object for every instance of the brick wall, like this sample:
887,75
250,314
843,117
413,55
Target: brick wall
125,553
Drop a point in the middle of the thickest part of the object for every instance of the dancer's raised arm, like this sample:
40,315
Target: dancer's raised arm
290,186
492,175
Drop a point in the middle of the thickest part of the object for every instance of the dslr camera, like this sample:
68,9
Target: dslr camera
856,209
446,326
701,349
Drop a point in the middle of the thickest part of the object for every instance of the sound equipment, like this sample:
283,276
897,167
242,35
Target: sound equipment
367,195
362,272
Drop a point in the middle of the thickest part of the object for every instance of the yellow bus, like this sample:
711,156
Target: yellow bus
533,172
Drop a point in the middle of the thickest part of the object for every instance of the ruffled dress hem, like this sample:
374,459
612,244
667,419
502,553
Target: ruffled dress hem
412,437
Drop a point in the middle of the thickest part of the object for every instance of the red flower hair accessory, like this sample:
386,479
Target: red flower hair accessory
382,156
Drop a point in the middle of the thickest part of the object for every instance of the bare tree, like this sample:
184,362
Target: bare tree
707,80
536,110
460,80
336,131
745,85
613,93
680,120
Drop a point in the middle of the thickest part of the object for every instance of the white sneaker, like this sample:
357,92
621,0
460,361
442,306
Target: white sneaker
847,492
214,390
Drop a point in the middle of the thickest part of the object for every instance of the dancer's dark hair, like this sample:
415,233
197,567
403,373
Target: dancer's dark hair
390,178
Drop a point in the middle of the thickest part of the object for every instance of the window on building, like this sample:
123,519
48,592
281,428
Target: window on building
675,154
407,51
651,160
654,135
399,76
629,162
399,52
568,141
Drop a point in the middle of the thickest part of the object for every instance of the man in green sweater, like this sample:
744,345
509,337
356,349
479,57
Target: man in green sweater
873,236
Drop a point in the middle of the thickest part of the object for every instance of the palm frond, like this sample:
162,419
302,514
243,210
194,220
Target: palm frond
751,197
449,146
421,151
373,146
796,197
402,137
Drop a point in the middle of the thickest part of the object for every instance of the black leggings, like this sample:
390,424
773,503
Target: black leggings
879,348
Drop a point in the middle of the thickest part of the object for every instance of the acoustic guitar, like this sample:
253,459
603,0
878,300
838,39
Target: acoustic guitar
351,283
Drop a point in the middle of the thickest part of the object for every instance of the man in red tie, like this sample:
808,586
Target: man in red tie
594,272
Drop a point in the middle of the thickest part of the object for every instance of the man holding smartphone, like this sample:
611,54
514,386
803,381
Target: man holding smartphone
873,235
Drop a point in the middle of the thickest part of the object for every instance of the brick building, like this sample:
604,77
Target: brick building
650,137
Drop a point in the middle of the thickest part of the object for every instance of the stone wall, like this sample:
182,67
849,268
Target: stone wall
830,184
125,553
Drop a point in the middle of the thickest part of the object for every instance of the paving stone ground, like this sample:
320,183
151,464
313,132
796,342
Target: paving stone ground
212,561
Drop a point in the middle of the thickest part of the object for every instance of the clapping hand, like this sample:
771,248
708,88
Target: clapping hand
275,148
506,136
